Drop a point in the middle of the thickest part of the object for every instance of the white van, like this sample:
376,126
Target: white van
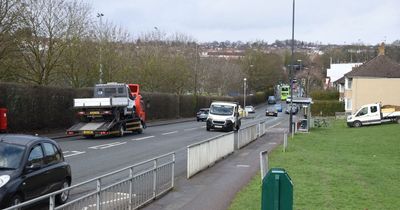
224,116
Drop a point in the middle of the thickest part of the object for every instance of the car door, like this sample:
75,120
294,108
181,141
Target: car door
374,115
35,177
55,171
362,115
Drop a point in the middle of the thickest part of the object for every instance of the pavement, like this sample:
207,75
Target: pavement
216,187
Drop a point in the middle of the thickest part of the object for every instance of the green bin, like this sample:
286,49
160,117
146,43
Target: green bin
277,190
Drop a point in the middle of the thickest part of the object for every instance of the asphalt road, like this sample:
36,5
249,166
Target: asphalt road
90,158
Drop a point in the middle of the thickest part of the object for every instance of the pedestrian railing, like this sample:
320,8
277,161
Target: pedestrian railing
205,153
127,188
247,135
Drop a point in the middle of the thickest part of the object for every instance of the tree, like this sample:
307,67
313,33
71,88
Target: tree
46,27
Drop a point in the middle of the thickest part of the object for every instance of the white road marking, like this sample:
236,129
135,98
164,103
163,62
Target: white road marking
190,129
169,133
143,138
273,125
243,166
72,153
272,143
122,197
105,146
203,126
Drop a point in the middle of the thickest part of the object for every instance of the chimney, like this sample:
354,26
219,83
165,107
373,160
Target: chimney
381,49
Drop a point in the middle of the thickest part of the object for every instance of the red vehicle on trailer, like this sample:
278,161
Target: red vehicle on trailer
114,109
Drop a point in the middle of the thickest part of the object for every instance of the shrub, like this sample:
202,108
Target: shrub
325,95
326,108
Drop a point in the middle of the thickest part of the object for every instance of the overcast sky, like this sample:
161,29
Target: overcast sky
334,21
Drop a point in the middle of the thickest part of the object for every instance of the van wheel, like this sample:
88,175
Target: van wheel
63,197
357,124
398,120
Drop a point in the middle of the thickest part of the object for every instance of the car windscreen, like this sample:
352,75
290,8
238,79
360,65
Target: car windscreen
10,155
218,109
112,91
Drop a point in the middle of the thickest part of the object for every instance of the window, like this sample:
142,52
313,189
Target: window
120,90
363,111
349,83
374,109
348,104
52,154
36,156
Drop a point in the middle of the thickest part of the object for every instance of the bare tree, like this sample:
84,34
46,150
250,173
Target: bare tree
9,15
46,27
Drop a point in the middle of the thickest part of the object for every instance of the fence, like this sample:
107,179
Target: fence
127,188
247,135
203,154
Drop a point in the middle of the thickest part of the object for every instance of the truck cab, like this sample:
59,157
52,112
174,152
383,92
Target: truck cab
223,116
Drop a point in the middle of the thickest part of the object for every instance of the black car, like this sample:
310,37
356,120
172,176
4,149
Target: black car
271,111
202,114
31,166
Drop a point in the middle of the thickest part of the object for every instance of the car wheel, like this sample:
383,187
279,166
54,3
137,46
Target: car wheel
15,200
208,128
198,120
63,197
357,124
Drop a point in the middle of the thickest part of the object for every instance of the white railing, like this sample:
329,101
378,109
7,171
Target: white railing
247,135
262,128
205,153
128,188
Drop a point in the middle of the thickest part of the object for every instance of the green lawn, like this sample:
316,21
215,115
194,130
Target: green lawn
337,168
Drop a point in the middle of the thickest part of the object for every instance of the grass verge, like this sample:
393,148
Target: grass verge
337,168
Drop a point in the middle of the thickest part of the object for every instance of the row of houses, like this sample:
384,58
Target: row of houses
375,81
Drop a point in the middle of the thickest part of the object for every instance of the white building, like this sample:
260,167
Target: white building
338,70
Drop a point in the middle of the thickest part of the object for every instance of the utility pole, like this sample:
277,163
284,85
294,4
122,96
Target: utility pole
100,15
291,74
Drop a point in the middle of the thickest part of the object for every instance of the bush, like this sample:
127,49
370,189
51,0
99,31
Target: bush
326,108
325,95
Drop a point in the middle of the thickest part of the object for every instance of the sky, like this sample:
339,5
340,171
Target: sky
329,22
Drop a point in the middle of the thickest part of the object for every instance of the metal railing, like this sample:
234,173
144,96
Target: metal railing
205,153
247,135
127,188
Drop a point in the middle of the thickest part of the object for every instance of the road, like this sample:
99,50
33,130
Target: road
93,157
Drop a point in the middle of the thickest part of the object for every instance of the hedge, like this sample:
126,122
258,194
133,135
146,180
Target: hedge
45,108
326,108
325,95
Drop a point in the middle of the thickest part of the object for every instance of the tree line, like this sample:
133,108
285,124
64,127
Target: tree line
62,43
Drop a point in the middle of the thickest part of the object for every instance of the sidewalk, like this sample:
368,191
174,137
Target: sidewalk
216,187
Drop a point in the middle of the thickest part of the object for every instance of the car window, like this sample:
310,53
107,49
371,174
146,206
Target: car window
36,156
374,109
363,111
51,153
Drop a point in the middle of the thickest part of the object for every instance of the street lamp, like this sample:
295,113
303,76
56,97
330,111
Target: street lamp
291,74
244,91
100,15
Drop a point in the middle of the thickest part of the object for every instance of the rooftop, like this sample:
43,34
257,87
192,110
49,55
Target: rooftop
380,66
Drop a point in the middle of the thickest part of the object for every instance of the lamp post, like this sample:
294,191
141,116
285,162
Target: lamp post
100,15
244,91
291,74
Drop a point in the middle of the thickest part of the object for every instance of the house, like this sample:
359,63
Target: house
377,80
337,71
339,84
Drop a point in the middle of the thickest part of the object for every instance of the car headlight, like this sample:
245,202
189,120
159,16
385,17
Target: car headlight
4,179
231,119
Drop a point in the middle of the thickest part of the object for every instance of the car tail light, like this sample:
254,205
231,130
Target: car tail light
81,113
70,133
104,132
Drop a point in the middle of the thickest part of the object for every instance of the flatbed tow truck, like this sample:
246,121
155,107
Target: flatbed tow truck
115,109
